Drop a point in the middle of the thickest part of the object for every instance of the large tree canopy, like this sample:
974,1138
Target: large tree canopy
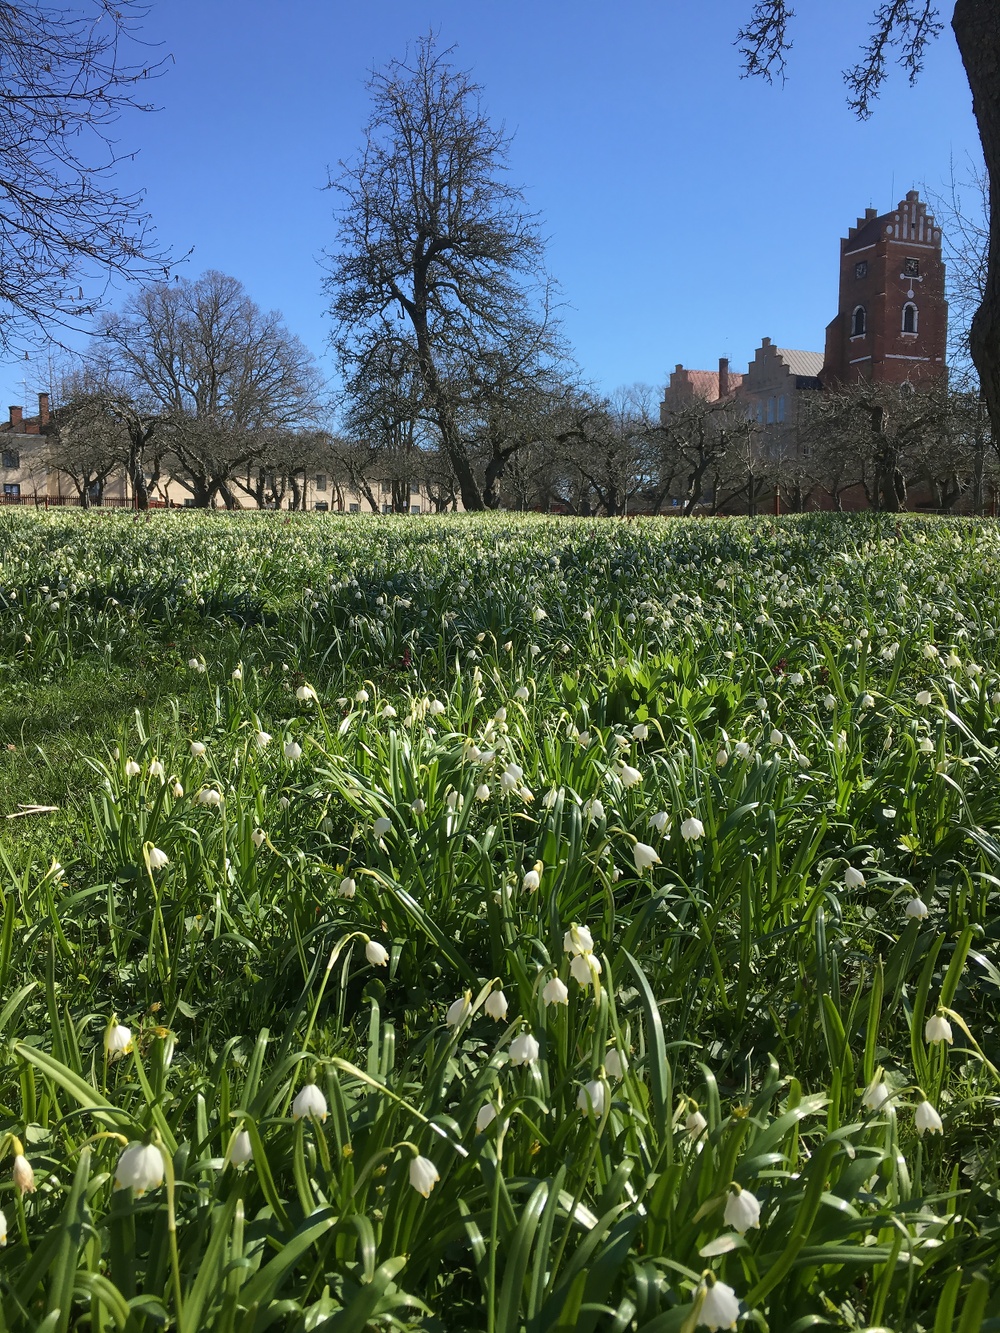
438,266
902,29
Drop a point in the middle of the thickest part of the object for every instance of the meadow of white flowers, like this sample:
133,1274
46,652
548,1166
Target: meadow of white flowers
505,923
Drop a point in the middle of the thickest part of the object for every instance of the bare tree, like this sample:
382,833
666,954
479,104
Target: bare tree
86,439
964,213
64,227
903,29
438,262
697,437
220,374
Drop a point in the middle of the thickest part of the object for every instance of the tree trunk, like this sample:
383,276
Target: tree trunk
976,24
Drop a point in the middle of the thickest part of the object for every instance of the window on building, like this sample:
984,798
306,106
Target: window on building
858,322
781,408
11,488
11,458
189,502
354,509
911,267
387,509
414,509
861,269
320,481
414,487
770,411
321,506
909,318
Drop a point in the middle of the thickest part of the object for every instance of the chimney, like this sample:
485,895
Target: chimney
723,376
16,413
43,409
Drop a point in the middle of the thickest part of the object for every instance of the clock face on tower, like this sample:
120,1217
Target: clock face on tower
861,269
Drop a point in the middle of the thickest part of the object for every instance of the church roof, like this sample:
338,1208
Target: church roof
808,364
703,383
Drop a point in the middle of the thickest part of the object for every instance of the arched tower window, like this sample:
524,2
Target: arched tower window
858,322
909,318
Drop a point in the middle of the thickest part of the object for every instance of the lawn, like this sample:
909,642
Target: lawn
499,923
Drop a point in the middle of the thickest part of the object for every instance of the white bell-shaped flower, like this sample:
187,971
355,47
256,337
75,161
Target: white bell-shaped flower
459,1010
853,879
692,829
937,1028
578,939
156,858
629,775
293,750
614,1063
117,1041
591,1098
742,1210
585,968
24,1175
140,1168
197,749
644,856
720,1307
555,991
348,887
695,1124
309,1101
524,1049
487,1114
241,1149
916,908
926,1120
132,769
496,1005
376,953
423,1175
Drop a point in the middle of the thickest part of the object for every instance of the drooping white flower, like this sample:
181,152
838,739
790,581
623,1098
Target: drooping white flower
132,769
241,1149
926,1120
591,1097
195,665
742,1210
577,940
377,954
423,1175
614,1063
361,697
593,810
916,908
496,1005
721,757
500,715
524,1049
381,826
436,708
197,749
347,887
117,1041
264,739
640,732
3,1229
692,829
388,712
309,1100
487,1114
209,796
156,769
866,701
293,750
659,821
24,1175
796,678
258,837
937,1028
482,792
538,615
629,776
853,879
695,1124
923,698
585,968
140,1168
157,859
720,1307
522,693
645,856
776,737
459,1010
177,791
454,800
305,694
741,750
875,1095
555,991
531,881
236,673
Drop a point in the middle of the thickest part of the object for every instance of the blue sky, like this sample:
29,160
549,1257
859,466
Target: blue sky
689,212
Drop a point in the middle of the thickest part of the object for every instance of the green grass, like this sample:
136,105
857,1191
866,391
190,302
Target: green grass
725,1020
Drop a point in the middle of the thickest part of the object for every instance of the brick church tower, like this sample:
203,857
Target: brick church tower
892,323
